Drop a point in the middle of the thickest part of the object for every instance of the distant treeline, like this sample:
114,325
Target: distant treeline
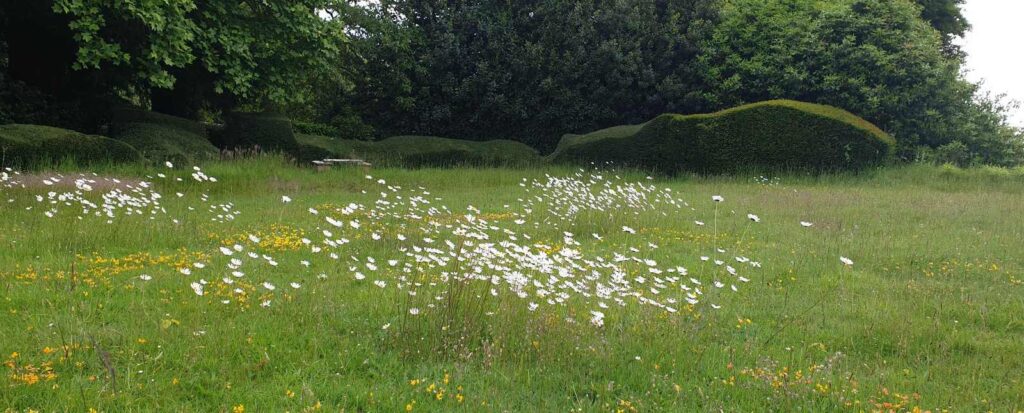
525,70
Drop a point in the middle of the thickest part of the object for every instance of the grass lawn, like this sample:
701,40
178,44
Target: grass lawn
560,294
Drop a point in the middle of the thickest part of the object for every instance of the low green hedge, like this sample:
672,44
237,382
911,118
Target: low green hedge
774,135
313,128
418,151
425,151
28,146
268,131
162,137
132,114
623,131
334,147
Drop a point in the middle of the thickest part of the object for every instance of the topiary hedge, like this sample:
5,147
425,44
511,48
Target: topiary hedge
775,135
268,131
162,137
28,146
316,129
335,147
419,151
425,151
613,132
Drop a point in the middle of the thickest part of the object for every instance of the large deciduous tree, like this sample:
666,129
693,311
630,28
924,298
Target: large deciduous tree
528,70
876,58
947,17
184,52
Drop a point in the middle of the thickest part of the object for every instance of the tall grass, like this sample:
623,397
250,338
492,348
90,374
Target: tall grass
930,314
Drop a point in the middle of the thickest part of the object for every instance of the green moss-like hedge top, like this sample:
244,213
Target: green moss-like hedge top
29,146
775,135
162,137
436,151
419,151
614,132
268,131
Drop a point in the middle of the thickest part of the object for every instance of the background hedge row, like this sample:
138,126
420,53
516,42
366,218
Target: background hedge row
162,137
773,135
31,146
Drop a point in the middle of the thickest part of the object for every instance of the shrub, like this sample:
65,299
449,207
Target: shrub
132,114
268,131
334,147
29,146
308,153
162,137
773,135
420,151
955,153
607,133
313,128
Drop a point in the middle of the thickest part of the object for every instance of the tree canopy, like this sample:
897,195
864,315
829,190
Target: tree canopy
539,68
528,70
247,52
946,17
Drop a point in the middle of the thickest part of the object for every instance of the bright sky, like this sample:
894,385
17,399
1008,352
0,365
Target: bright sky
994,48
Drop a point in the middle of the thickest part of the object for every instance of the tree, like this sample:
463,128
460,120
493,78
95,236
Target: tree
875,58
527,70
946,17
244,52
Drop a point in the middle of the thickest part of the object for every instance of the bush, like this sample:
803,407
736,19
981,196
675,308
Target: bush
22,103
313,128
421,151
162,137
955,153
334,147
268,131
612,132
29,146
349,126
772,135
132,114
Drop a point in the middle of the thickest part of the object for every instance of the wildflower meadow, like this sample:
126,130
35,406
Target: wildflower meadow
224,287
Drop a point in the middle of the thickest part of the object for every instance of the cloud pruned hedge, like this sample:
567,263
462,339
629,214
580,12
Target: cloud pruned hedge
426,151
29,146
162,137
770,135
267,131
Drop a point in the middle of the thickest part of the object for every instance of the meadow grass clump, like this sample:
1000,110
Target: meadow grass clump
507,289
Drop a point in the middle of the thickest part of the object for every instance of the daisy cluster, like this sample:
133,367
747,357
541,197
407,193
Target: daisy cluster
408,243
563,198
90,195
426,247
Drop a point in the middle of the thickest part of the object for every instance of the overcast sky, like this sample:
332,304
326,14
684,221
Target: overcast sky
994,47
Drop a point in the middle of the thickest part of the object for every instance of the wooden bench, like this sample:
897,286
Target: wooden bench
326,164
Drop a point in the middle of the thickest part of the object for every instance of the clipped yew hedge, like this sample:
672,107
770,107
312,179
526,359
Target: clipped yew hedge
162,137
418,151
270,132
771,135
425,151
28,146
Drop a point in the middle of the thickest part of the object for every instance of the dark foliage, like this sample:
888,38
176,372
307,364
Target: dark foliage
29,146
162,137
270,132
